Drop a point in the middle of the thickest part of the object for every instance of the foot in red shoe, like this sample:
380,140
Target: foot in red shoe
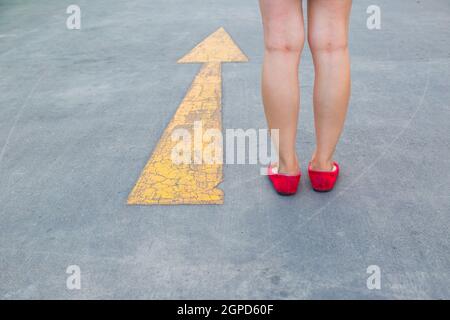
323,181
285,185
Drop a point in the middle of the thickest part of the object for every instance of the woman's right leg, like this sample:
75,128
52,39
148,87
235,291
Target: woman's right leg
328,25
284,37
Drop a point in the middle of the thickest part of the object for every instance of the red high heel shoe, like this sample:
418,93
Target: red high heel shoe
285,185
323,181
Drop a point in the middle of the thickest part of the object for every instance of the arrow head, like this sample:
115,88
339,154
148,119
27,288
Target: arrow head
217,47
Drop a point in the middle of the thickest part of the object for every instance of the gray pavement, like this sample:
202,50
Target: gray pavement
81,111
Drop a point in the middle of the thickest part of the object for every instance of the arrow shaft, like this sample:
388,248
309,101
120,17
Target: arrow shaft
165,182
203,99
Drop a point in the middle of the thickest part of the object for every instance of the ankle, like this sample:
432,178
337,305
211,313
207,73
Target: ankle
322,164
288,166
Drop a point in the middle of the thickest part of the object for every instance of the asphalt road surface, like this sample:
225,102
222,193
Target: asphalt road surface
82,110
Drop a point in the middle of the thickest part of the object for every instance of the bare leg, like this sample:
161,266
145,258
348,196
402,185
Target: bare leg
284,38
328,23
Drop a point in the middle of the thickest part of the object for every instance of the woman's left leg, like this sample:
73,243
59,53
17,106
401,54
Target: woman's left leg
283,40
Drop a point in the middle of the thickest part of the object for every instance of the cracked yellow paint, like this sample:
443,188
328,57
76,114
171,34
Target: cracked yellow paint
164,182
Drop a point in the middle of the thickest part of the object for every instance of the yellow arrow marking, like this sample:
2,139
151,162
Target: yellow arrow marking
164,182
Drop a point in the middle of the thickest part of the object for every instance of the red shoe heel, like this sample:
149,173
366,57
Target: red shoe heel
323,181
285,185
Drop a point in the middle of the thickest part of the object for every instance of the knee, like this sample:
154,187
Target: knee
328,41
284,43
